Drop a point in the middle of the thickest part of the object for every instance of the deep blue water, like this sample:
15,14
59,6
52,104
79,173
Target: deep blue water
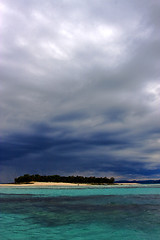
103,213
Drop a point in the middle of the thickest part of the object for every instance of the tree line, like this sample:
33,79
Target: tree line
70,179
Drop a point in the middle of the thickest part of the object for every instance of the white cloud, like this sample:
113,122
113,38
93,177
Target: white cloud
62,58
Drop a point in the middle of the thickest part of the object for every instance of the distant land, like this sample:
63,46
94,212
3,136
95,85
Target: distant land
26,178
151,181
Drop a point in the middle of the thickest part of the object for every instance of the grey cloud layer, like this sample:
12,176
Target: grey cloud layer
89,72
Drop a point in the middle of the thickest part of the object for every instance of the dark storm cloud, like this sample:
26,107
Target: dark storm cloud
80,87
20,145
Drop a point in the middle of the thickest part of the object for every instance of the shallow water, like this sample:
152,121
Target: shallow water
128,213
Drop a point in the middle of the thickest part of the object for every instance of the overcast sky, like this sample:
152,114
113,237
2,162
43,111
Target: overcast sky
80,88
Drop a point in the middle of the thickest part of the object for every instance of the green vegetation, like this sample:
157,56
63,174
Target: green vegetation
70,179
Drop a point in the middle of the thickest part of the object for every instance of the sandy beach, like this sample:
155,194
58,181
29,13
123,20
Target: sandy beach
39,184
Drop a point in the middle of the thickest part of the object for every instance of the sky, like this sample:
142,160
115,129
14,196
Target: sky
80,88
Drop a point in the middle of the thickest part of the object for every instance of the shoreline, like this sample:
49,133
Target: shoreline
39,184
57,184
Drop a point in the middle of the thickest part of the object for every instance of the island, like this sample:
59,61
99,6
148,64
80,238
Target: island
27,178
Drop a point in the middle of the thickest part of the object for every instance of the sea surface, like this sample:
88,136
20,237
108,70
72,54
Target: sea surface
75,213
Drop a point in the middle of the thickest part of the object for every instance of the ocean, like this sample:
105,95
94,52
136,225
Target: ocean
76,213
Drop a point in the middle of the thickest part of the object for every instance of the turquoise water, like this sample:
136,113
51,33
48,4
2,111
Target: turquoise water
103,213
